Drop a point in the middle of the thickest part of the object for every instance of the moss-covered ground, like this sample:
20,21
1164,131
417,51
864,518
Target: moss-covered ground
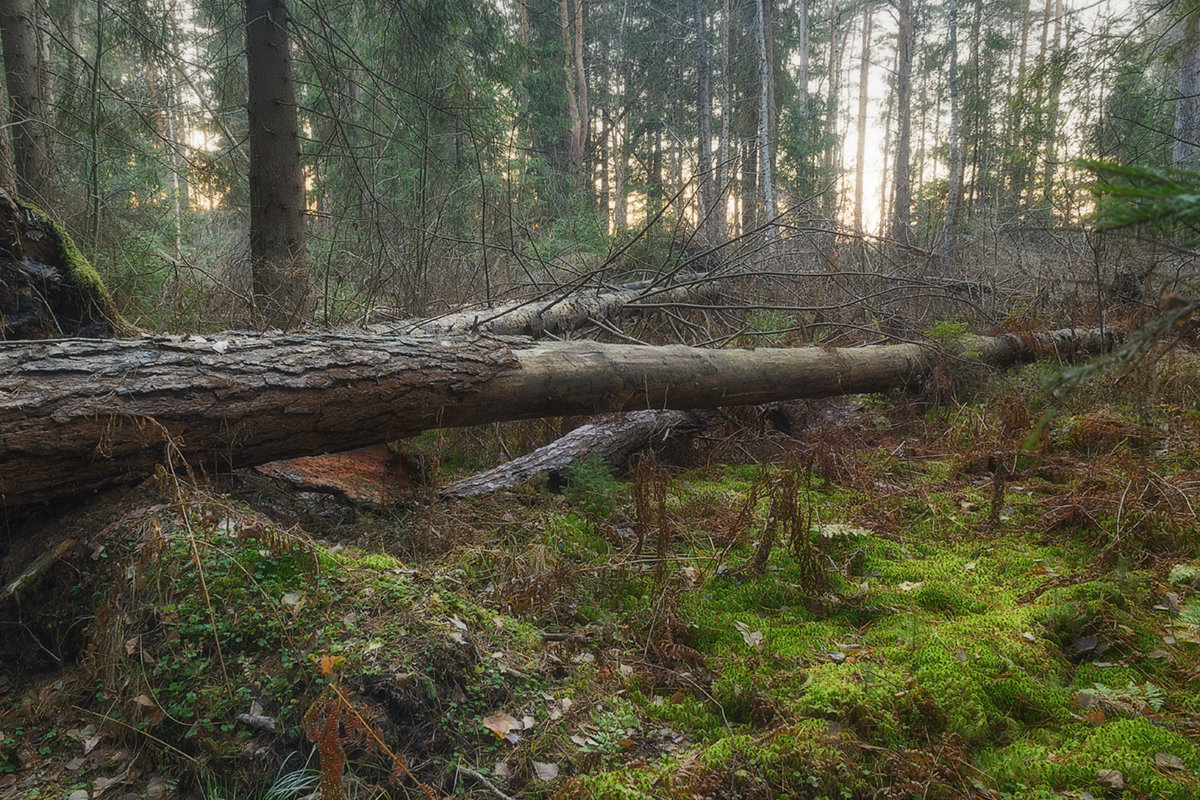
982,600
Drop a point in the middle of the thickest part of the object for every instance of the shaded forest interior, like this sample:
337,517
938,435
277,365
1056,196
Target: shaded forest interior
238,232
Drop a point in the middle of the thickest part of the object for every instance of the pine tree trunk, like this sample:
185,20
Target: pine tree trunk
8,179
282,289
829,178
766,186
1187,107
860,156
902,204
28,111
704,171
954,182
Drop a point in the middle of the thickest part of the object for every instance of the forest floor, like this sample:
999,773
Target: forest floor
995,598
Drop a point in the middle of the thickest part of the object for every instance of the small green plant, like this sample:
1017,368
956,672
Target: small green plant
1147,694
286,786
947,333
593,488
769,327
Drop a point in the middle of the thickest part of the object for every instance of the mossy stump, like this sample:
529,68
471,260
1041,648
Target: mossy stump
47,288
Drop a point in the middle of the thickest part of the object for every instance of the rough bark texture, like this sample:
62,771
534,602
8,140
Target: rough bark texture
77,415
8,179
282,290
614,440
47,289
18,29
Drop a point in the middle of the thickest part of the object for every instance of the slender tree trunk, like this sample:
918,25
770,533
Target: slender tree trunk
282,288
704,170
954,183
724,168
74,57
884,209
766,186
28,113
45,63
902,203
620,126
1054,73
1187,107
860,156
802,53
8,178
576,85
981,141
833,76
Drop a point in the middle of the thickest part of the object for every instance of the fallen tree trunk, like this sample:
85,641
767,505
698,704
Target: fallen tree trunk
563,313
79,415
614,440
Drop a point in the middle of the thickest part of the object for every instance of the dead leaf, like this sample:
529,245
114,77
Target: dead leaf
501,724
545,771
458,623
1111,778
144,701
1168,761
751,637
910,586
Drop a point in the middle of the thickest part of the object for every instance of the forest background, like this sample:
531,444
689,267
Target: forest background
454,152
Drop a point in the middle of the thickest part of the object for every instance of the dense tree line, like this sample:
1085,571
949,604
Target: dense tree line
324,157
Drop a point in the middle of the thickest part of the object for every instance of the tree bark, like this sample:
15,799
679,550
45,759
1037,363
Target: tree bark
27,111
615,441
864,74
1187,107
8,179
556,315
282,290
954,183
704,171
79,415
902,204
765,182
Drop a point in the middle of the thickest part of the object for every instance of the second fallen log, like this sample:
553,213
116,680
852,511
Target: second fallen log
79,415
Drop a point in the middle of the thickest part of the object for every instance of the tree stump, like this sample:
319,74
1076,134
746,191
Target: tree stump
47,288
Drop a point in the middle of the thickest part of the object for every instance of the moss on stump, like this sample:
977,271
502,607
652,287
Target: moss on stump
47,288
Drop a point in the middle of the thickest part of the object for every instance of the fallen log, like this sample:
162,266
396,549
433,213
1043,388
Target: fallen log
614,440
562,313
79,414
